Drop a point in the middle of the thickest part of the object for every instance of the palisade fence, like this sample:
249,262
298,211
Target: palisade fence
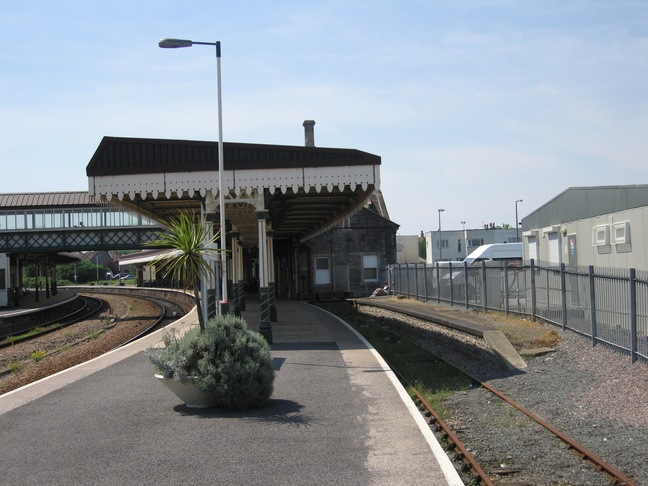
608,305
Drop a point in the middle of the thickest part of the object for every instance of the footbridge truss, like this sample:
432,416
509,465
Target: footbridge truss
70,222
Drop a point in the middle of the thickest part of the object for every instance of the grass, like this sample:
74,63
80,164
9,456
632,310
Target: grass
14,366
432,377
94,334
33,332
36,356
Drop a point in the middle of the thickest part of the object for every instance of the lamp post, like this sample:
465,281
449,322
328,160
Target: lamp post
517,223
440,247
175,43
465,237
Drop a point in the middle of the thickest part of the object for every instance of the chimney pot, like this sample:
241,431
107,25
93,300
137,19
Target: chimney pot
309,132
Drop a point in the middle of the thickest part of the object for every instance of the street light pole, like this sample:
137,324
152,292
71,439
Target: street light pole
440,247
465,237
175,43
517,222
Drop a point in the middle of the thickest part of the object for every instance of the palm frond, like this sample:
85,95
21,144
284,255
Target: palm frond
192,249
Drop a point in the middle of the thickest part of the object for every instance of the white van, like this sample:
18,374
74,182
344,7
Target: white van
496,251
493,252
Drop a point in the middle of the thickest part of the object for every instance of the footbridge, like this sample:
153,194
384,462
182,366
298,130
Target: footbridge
69,222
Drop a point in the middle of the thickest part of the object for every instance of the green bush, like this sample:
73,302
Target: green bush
227,360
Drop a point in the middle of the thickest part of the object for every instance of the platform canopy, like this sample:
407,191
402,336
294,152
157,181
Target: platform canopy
305,190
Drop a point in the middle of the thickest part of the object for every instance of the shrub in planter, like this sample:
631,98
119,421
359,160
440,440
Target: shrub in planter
227,360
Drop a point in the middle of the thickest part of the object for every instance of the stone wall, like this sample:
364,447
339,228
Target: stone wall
367,233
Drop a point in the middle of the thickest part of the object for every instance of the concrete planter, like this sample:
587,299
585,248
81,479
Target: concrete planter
188,392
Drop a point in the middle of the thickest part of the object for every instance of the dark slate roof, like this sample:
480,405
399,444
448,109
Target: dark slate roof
577,203
146,156
25,200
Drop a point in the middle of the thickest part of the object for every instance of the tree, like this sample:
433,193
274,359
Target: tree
422,247
187,262
85,271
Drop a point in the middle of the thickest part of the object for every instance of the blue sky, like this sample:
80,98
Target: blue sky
472,105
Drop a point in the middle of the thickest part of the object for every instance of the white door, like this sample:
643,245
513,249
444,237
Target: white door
554,247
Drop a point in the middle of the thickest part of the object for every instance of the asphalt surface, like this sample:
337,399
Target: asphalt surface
337,416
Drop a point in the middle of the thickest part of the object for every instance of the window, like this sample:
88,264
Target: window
370,268
475,242
444,243
322,271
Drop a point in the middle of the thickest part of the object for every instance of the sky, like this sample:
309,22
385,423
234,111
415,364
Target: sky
471,104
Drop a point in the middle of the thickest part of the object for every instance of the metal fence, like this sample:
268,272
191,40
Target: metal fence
608,305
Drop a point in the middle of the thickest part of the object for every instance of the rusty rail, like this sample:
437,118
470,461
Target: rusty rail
452,442
617,478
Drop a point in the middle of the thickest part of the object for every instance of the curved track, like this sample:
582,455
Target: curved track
90,307
169,310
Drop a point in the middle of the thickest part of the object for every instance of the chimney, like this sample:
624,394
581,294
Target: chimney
309,132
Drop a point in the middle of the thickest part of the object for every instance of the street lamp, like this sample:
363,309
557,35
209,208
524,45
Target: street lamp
175,43
440,248
465,236
517,223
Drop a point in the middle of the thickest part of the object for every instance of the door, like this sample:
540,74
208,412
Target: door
572,262
341,277
554,247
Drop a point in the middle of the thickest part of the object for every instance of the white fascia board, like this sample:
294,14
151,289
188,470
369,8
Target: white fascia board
237,180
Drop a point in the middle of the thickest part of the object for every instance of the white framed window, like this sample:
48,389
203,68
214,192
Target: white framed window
601,235
322,271
621,232
370,268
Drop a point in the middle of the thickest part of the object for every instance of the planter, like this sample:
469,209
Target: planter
188,392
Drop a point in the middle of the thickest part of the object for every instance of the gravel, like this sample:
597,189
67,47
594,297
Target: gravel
72,345
592,394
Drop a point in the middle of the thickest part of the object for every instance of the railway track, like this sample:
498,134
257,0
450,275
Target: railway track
47,350
169,310
90,307
468,465
494,439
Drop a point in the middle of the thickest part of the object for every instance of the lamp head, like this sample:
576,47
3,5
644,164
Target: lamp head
174,43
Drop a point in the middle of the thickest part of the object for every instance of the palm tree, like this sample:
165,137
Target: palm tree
188,260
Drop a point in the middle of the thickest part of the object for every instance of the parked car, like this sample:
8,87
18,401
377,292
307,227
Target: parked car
127,277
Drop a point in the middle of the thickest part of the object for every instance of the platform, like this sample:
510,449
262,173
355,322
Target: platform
337,416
